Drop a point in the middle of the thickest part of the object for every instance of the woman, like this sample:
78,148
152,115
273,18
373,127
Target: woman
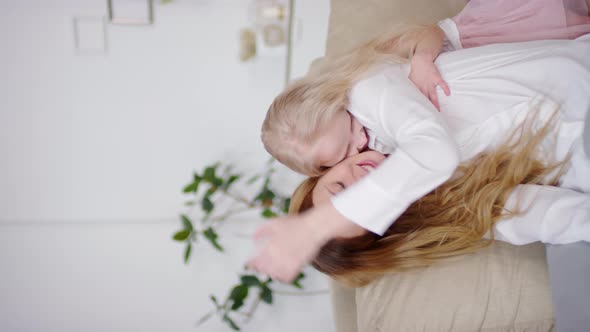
504,193
426,154
493,87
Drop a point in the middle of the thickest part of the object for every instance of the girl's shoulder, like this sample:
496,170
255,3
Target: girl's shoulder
380,79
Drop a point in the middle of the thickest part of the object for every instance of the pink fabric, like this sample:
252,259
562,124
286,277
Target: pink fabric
500,21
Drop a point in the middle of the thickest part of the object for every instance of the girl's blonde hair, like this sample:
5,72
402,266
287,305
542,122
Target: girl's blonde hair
306,106
451,220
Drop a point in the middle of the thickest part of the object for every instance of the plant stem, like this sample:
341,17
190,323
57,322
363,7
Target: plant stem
240,199
228,214
245,314
250,312
206,317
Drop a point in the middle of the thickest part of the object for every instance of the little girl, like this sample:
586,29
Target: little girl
307,129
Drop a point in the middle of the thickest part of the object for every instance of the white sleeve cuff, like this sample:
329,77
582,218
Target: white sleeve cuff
453,39
374,210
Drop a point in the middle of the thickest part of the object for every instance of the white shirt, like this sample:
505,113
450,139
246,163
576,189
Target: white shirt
492,88
452,40
550,214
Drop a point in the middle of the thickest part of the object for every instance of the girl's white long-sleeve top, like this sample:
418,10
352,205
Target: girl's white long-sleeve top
493,90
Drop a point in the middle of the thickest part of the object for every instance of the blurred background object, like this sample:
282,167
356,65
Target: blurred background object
270,19
270,28
90,35
131,12
247,44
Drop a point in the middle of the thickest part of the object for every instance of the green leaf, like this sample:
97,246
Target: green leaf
250,280
238,295
268,213
230,322
210,176
297,280
191,188
266,294
206,204
214,299
187,252
230,181
188,225
181,235
212,236
286,204
265,196
209,173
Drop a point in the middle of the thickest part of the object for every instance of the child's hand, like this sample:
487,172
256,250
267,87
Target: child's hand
291,242
426,77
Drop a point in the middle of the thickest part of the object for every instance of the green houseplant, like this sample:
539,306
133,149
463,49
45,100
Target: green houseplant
214,198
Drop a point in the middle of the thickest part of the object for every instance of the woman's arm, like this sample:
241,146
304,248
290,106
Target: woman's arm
288,243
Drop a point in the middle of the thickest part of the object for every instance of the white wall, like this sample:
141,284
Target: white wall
94,151
98,128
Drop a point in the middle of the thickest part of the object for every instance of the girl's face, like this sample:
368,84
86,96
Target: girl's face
345,174
344,137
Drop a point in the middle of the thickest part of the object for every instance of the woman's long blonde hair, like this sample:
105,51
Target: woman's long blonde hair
301,111
451,220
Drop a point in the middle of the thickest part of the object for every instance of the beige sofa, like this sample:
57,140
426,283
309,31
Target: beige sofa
501,288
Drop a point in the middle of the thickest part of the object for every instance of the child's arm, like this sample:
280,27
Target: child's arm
424,73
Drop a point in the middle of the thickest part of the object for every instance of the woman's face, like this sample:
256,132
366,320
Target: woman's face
344,174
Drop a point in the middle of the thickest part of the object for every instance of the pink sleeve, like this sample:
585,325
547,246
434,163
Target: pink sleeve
484,22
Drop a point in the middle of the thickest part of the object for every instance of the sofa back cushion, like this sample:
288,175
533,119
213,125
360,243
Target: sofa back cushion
500,288
354,22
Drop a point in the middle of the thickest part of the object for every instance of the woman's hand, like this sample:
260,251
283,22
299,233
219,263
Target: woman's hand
426,77
289,243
